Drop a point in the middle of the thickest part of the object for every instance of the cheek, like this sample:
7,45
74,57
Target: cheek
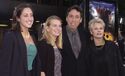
60,29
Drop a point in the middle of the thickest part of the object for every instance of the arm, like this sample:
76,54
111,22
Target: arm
6,54
42,55
120,62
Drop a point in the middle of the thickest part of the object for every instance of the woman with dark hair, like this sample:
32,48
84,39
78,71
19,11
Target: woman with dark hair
19,50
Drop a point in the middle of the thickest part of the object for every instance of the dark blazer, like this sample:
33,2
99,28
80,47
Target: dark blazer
13,57
105,61
47,57
71,65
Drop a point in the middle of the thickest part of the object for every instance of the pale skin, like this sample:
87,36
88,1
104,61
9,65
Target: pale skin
43,74
55,29
73,19
97,31
26,20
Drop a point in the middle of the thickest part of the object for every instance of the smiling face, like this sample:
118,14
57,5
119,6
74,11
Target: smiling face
26,18
54,28
73,19
97,31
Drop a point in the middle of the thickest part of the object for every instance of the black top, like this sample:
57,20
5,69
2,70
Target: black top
46,53
104,60
13,56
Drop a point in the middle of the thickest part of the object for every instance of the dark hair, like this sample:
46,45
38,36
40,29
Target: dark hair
77,8
16,14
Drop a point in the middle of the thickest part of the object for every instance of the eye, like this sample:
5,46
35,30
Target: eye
25,15
95,28
77,16
101,28
70,16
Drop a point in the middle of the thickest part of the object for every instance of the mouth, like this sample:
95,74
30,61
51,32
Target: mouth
99,33
29,23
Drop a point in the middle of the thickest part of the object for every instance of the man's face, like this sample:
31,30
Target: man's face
73,19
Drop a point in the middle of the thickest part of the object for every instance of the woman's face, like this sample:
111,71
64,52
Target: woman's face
97,31
55,28
26,18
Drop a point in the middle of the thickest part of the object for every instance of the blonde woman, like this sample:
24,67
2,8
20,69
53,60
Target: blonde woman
49,47
103,57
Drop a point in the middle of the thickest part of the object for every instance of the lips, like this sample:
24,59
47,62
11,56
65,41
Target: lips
29,23
99,33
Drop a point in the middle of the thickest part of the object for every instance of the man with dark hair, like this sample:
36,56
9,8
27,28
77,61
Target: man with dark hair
74,43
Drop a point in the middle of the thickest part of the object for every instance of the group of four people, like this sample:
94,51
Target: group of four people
61,51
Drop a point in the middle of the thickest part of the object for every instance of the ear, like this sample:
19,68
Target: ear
80,20
47,28
91,32
18,19
66,19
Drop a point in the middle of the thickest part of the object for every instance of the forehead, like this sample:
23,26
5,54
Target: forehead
97,25
27,10
74,12
55,21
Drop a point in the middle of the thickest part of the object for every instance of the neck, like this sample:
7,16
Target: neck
24,29
71,29
99,42
25,34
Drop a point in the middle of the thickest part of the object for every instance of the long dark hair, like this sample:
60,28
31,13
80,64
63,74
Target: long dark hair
16,14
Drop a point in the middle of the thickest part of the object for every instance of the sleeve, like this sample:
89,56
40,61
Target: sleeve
6,54
121,68
42,55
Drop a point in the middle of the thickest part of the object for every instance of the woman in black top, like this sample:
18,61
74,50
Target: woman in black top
19,54
103,57
49,47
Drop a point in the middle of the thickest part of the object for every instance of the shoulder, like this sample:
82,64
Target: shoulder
9,34
110,43
43,44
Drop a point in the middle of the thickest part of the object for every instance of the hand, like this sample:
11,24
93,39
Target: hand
42,73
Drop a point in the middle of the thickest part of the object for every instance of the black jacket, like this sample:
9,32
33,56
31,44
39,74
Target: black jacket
104,61
47,57
73,66
13,56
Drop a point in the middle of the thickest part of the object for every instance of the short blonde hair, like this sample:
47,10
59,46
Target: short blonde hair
48,37
93,21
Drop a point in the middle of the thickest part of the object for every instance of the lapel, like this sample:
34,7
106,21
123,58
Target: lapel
83,40
67,44
22,47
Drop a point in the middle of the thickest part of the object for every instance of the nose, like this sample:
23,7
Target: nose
30,18
73,18
99,30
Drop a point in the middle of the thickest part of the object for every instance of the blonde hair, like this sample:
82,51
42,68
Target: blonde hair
93,21
46,35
